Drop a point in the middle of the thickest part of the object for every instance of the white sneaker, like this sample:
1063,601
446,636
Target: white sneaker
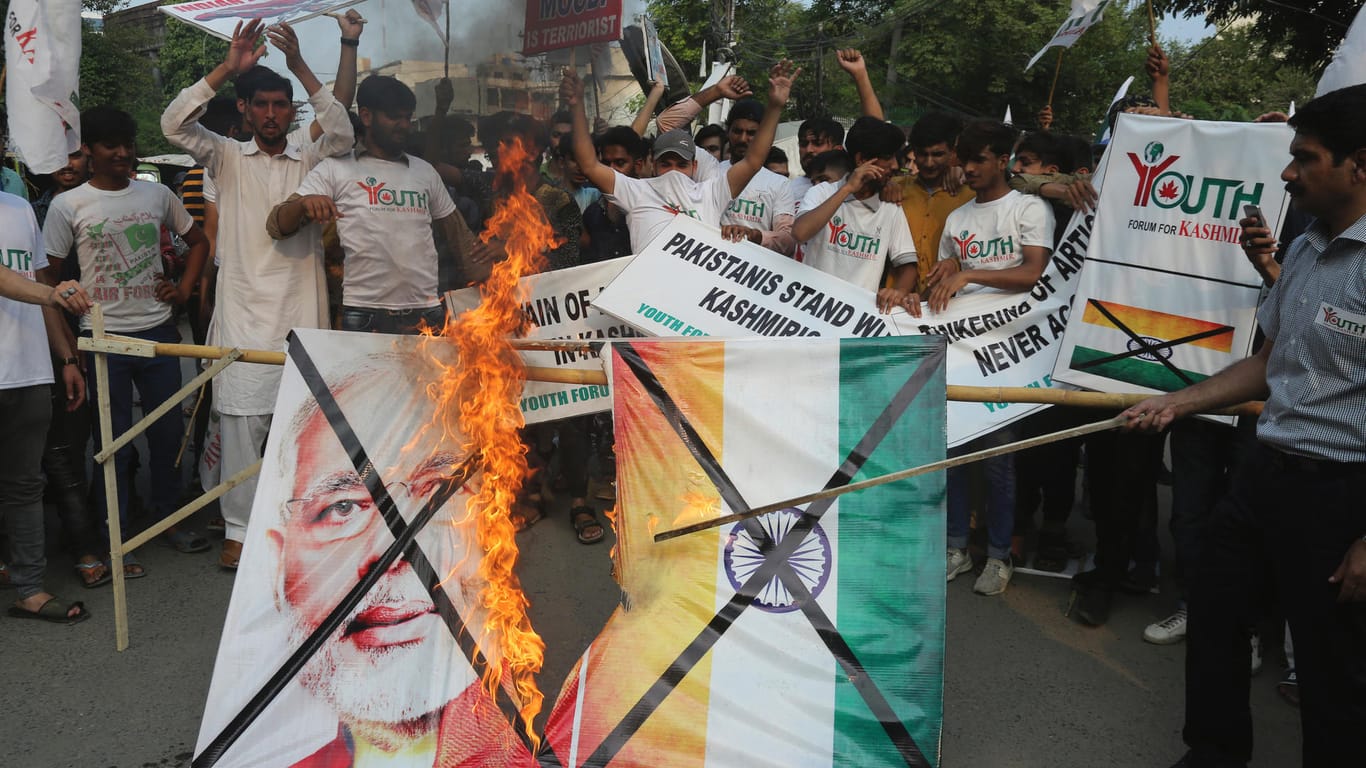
995,577
1256,643
959,561
1168,631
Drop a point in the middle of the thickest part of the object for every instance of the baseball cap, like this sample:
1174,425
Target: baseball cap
676,141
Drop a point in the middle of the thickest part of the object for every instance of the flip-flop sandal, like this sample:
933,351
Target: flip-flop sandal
187,542
54,610
585,518
84,569
131,562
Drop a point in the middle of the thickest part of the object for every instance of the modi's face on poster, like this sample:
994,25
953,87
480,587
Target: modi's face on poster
385,663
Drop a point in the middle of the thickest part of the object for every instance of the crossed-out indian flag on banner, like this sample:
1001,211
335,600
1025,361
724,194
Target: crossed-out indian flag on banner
834,657
1160,350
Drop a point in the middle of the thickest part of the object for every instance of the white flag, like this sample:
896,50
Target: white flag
1085,14
43,56
1348,66
431,10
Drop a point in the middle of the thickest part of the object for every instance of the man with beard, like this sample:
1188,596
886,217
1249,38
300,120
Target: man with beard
393,673
762,213
264,288
848,231
384,202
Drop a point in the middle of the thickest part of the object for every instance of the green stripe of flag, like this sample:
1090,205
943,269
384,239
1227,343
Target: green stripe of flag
1132,370
891,549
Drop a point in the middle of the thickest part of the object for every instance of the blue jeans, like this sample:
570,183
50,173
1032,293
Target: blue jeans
403,321
1000,513
156,379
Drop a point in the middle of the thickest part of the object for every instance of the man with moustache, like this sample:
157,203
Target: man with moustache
848,231
1297,500
928,196
393,673
264,287
763,211
384,202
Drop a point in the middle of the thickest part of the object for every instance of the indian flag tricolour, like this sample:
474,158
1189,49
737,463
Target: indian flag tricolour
805,637
1148,348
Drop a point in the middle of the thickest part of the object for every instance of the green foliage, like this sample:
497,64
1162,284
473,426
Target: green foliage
1233,76
1305,33
186,55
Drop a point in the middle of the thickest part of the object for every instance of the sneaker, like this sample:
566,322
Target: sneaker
1168,631
959,561
1256,646
995,577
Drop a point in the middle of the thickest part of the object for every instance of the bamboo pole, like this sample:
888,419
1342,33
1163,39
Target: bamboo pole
830,493
1056,71
189,425
171,402
111,486
1152,25
193,507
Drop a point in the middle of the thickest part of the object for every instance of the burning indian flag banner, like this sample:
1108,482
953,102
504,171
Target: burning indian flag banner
809,636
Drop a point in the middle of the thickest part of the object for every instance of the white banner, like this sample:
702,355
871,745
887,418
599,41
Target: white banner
219,17
690,282
43,59
1085,14
1168,298
559,306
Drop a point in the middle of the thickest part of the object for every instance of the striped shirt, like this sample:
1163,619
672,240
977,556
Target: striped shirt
192,193
1316,315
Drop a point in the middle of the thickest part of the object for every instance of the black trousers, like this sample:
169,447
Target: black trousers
1303,516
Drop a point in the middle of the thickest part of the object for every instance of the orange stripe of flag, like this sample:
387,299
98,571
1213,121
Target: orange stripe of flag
1160,325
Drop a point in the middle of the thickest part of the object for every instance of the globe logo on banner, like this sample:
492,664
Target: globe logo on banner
747,546
1168,189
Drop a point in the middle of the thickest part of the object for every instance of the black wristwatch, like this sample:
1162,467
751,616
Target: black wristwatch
354,42
71,361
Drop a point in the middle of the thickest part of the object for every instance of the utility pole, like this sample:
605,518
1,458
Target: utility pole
820,68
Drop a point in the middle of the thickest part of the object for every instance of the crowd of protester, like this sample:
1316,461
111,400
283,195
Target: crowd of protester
358,222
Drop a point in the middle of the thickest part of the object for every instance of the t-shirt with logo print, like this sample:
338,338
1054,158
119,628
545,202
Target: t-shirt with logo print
859,240
993,235
23,337
650,204
117,234
387,209
761,203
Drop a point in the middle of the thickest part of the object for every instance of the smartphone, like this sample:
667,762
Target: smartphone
1255,212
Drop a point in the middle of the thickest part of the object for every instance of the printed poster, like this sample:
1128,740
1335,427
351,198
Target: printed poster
555,24
1084,15
220,17
1168,298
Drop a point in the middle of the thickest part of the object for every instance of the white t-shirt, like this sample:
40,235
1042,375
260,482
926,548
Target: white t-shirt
118,243
761,202
23,337
859,240
993,235
797,189
650,204
387,208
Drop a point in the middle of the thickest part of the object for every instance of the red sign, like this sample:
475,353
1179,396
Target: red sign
555,24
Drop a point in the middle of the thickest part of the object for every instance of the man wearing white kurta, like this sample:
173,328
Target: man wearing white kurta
265,287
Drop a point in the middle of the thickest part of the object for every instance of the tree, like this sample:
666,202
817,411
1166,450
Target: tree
1306,34
1234,76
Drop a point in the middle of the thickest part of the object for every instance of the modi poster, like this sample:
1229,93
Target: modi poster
810,636
1168,298
559,306
555,24
356,612
220,17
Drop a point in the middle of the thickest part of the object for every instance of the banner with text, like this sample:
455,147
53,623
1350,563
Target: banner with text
42,59
1085,14
1169,298
555,24
558,306
219,17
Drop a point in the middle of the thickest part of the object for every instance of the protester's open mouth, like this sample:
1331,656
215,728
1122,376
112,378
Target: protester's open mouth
382,626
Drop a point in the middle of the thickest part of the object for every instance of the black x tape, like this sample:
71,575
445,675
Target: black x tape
1146,346
775,564
405,545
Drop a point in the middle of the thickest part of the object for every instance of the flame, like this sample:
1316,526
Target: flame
479,399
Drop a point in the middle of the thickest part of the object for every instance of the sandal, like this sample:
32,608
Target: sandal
585,520
187,542
54,610
525,515
87,574
132,569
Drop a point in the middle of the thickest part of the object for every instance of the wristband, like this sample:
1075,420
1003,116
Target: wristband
70,361
354,42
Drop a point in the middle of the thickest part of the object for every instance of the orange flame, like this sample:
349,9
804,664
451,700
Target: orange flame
480,399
